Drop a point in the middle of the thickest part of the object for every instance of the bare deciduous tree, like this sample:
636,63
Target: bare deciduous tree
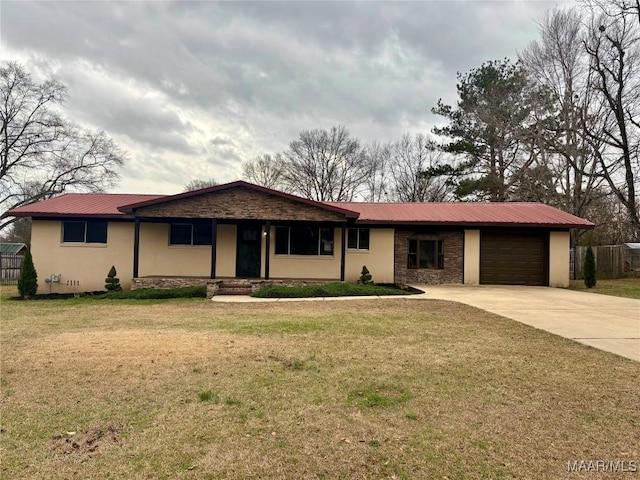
18,232
325,165
564,172
613,48
376,185
198,183
265,170
410,160
42,154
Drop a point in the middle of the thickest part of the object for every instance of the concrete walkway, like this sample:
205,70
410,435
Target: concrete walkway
601,321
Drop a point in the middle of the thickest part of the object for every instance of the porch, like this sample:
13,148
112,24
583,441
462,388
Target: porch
222,286
239,231
239,250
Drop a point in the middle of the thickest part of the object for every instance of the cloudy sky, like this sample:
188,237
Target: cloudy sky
193,89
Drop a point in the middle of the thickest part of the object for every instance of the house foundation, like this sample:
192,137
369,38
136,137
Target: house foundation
222,286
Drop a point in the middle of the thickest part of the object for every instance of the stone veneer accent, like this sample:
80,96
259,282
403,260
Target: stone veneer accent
240,203
212,285
216,286
453,244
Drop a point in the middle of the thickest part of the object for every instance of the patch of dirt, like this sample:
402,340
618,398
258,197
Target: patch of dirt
104,348
89,443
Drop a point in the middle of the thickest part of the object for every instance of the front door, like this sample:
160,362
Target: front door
248,251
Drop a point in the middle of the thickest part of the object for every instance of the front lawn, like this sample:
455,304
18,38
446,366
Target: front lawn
620,287
356,389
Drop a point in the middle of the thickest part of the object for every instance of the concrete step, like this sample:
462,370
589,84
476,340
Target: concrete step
234,287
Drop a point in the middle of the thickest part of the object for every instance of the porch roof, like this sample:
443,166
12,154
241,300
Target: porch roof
132,207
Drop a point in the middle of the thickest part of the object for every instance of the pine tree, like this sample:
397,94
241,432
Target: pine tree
365,276
589,269
28,281
112,283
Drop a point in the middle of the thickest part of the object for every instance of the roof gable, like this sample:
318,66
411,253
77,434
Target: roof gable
238,200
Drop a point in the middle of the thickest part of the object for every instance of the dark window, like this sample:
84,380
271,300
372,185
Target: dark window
304,240
352,238
96,232
91,231
73,231
190,234
326,241
425,254
282,240
202,234
180,234
358,239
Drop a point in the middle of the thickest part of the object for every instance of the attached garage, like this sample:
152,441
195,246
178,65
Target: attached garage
514,258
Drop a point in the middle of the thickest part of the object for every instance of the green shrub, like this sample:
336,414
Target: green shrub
156,293
365,276
589,269
112,283
337,289
28,281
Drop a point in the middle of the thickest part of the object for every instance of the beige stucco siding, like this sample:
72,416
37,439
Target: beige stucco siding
83,266
378,259
157,257
559,259
472,257
226,251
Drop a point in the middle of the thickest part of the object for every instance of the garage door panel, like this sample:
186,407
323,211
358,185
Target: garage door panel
513,258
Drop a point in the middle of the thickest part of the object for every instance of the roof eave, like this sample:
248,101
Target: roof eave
68,215
475,224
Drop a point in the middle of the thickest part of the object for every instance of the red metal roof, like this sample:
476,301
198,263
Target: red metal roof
464,213
80,205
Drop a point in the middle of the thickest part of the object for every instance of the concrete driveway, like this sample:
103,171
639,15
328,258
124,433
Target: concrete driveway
601,321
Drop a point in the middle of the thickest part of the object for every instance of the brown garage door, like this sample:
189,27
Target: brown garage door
513,258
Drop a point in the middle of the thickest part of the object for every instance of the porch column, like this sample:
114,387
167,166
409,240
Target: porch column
268,250
136,245
471,258
343,249
214,243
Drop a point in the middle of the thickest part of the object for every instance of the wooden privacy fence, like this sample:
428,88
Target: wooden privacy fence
10,268
609,261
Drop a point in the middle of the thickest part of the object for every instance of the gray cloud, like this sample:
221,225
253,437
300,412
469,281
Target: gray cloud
199,87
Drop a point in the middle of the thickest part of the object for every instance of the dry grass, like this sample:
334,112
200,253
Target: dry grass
620,287
349,389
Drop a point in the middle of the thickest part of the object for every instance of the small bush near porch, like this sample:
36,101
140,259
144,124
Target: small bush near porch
400,388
